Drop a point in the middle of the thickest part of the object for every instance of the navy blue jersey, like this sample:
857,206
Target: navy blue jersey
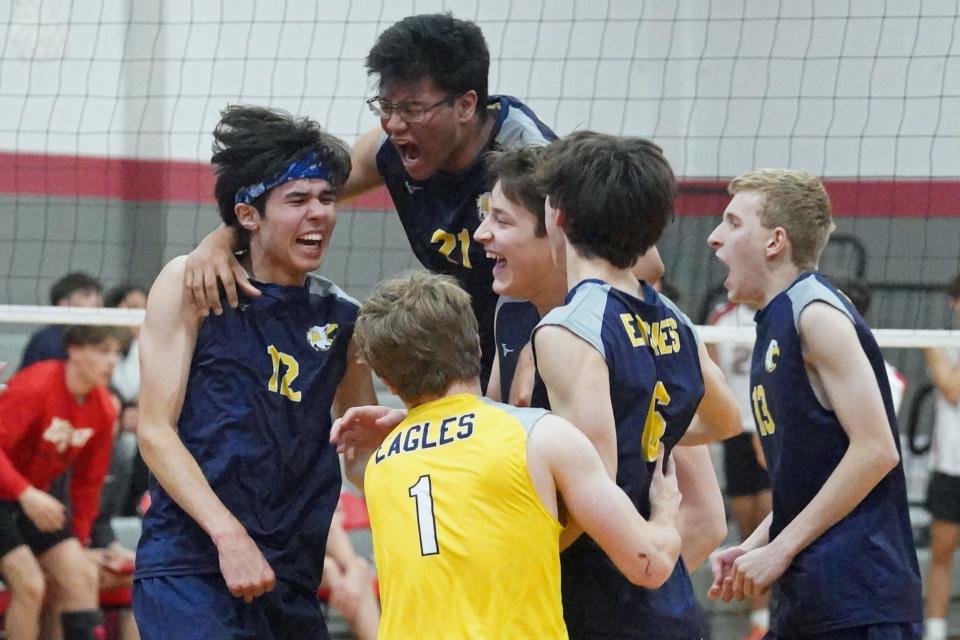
656,386
514,323
256,417
863,570
439,214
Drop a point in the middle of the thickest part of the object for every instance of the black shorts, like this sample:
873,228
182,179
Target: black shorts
17,529
745,476
943,497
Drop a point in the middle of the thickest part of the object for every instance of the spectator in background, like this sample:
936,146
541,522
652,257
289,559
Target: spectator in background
76,289
55,415
126,375
943,493
747,483
115,562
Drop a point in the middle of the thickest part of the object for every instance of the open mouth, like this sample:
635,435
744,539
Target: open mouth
409,152
499,261
311,239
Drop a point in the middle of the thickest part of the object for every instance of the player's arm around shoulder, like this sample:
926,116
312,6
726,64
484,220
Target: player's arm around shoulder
578,385
355,390
364,175
718,416
562,461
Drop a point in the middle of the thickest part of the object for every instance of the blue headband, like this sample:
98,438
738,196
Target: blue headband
306,167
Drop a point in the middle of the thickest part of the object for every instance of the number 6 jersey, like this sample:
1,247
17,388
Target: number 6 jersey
655,388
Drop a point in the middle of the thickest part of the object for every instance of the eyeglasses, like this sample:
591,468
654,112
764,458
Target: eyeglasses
410,112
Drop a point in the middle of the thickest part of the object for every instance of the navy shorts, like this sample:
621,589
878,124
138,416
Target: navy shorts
745,476
201,608
888,631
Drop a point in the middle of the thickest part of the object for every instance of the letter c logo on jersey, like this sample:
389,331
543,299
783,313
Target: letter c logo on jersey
773,351
483,205
321,338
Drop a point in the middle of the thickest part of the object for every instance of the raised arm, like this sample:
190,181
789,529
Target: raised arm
718,416
167,342
562,461
363,158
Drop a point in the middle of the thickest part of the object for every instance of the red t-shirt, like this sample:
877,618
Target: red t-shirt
44,430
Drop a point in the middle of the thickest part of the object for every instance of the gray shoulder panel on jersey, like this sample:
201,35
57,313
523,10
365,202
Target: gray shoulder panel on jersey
320,286
583,315
526,416
519,130
682,316
808,290
502,300
383,139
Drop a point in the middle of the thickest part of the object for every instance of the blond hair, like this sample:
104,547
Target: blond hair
419,334
796,201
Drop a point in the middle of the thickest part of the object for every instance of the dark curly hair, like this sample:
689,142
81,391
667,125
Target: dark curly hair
252,144
451,52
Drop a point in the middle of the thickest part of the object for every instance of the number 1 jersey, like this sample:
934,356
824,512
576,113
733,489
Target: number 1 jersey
464,547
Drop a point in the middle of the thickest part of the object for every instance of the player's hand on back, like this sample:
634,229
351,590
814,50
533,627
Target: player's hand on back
46,512
212,262
245,570
665,494
364,428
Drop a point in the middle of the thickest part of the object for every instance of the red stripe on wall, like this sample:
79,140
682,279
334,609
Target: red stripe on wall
192,182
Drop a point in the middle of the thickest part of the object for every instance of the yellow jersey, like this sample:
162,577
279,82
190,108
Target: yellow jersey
463,545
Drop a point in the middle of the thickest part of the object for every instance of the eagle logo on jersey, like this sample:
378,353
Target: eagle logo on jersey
483,205
773,351
321,338
62,434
